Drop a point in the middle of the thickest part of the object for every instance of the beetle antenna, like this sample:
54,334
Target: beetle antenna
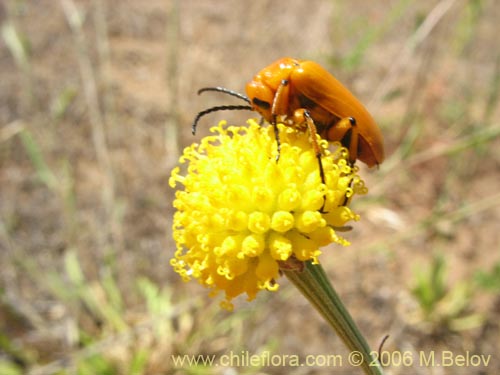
225,91
215,109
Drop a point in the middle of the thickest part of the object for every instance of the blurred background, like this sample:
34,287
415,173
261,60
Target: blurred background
96,102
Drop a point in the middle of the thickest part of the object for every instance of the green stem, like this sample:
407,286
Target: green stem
316,287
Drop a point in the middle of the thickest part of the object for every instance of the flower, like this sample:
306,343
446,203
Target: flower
241,213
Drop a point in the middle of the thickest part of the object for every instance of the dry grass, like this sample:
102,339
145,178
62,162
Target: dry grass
96,100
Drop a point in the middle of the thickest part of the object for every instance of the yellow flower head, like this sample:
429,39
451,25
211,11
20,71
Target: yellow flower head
241,214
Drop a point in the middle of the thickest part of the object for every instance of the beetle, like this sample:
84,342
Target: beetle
302,94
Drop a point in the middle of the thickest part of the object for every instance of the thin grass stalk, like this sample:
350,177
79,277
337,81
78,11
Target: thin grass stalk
314,284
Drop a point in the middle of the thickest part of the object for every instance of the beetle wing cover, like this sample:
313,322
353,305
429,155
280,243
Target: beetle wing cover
317,84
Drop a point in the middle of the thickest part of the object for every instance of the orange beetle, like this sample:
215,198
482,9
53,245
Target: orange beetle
303,94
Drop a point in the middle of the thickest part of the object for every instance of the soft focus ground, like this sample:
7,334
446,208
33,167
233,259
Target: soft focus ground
96,101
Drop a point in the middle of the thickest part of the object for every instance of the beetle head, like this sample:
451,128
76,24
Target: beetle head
261,98
262,90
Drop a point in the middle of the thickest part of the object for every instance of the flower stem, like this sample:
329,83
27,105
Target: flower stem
316,287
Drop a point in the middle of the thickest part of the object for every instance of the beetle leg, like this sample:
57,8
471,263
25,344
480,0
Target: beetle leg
353,145
277,137
279,108
314,140
302,116
346,132
280,102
